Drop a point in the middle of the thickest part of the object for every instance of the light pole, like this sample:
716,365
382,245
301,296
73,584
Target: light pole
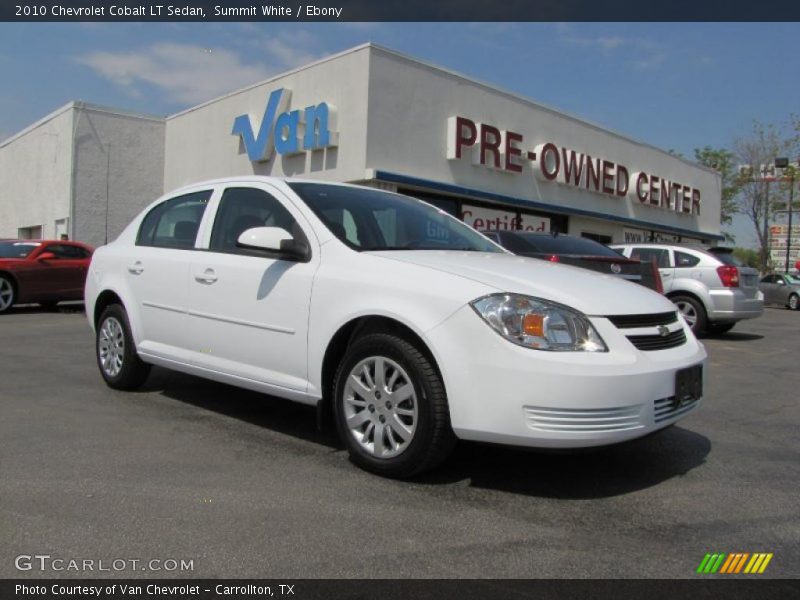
783,163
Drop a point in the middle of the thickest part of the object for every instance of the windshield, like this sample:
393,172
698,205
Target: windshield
792,279
367,219
567,244
17,249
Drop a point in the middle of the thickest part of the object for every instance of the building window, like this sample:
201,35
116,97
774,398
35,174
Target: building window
33,232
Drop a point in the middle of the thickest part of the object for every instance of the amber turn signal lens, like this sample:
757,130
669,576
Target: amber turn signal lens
533,324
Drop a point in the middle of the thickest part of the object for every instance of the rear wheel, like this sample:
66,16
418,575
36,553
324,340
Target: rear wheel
719,328
693,311
8,293
391,408
794,302
119,363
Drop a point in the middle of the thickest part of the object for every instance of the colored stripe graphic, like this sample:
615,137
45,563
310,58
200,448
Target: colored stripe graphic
734,563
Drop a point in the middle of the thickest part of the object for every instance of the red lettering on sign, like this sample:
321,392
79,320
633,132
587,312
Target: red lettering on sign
466,134
490,142
512,150
641,187
608,176
592,173
550,161
572,170
622,180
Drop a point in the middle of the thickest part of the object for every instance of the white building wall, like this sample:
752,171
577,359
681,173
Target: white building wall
410,103
119,162
35,174
200,145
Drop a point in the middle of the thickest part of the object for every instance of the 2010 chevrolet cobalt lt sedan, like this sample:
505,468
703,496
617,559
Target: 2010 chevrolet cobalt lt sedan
412,328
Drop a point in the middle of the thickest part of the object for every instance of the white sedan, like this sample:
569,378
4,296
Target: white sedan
412,328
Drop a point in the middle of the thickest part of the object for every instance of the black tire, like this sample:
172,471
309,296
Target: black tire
8,293
432,439
719,328
794,302
690,307
130,371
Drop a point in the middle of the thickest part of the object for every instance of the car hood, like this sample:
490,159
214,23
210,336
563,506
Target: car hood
589,292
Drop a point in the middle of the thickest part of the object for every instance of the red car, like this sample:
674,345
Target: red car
42,271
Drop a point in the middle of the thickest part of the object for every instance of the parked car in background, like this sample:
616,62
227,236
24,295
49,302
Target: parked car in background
42,271
399,320
712,290
578,252
781,289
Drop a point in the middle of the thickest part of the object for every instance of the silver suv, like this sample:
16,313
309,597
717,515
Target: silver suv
710,287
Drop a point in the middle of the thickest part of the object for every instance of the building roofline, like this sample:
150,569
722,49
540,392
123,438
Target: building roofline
78,105
518,97
275,77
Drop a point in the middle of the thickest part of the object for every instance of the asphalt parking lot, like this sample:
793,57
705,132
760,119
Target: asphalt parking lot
245,486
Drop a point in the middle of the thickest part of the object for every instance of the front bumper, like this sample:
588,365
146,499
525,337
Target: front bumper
503,393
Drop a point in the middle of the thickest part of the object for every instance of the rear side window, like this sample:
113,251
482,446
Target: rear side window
682,259
244,208
726,257
66,251
174,222
647,255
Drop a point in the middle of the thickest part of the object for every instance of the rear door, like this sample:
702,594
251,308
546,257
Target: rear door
768,286
158,273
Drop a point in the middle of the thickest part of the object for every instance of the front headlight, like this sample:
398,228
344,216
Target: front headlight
539,324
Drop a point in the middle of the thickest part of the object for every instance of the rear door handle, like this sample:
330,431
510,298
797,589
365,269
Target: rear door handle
208,276
136,268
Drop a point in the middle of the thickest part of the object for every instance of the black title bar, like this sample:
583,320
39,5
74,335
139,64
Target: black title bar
400,10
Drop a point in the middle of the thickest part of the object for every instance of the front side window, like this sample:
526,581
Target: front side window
241,209
368,219
647,255
174,222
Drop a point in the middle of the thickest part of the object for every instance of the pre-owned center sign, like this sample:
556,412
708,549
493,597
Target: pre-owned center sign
504,150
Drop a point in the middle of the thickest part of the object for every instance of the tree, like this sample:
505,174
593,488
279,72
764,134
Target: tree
724,162
756,196
748,256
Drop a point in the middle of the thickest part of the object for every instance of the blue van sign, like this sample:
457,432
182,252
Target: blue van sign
287,132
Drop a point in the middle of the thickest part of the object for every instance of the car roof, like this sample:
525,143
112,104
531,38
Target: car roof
42,242
263,179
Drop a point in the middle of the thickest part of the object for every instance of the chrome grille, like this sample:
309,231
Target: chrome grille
635,321
667,408
652,332
658,342
574,420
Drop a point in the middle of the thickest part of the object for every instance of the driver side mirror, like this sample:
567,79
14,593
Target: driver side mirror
274,239
46,256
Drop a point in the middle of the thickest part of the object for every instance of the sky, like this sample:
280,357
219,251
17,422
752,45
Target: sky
677,86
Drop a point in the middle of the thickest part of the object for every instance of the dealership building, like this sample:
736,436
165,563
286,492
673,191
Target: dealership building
369,116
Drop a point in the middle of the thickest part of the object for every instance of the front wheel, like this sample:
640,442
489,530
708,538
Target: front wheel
693,312
119,363
391,408
7,293
794,302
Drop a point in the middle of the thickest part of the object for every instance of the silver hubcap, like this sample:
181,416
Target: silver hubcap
111,347
380,406
6,294
793,303
688,312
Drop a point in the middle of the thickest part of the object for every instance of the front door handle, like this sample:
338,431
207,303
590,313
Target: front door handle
136,268
208,276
